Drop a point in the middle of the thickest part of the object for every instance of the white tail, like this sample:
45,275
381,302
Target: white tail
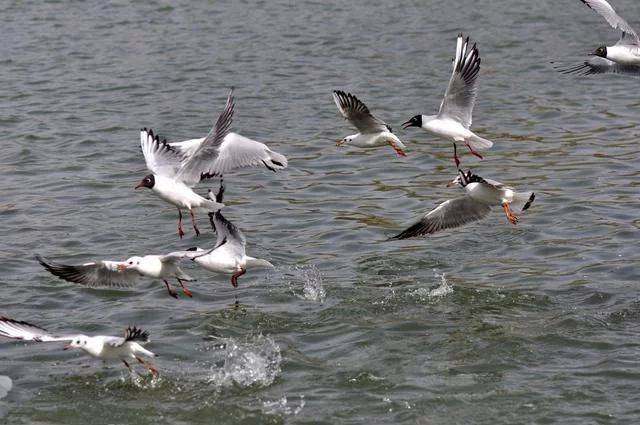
212,206
479,143
258,262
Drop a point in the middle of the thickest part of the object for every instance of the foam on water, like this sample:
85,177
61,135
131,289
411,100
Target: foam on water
442,290
282,407
255,361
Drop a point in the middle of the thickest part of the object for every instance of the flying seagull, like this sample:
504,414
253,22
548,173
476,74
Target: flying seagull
229,254
100,346
454,117
372,130
481,195
621,58
122,273
179,166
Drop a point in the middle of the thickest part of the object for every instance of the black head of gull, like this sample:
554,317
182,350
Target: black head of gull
149,181
416,121
601,51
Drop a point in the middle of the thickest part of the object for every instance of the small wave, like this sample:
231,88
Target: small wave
245,364
282,407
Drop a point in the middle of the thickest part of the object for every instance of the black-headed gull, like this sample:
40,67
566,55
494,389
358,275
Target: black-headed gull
229,253
621,58
481,195
100,346
122,273
372,131
454,117
179,166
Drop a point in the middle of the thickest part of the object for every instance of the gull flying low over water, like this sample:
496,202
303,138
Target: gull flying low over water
122,273
179,166
229,253
621,58
481,195
454,117
372,131
102,347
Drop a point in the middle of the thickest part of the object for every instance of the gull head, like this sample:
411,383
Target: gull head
413,122
79,341
601,51
149,181
131,263
456,182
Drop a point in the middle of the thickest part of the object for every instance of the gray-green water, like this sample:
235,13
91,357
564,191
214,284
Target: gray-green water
542,322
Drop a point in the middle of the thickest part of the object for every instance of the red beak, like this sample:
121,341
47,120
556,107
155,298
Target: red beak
67,347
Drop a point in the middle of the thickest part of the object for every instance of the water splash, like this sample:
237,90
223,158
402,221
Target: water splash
253,362
5,386
306,276
282,407
440,291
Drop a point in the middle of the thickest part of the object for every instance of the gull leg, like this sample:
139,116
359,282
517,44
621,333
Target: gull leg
455,155
148,366
184,289
473,152
127,365
513,219
396,148
171,291
180,231
236,275
193,221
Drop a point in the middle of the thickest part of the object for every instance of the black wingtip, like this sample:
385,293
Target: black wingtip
136,334
195,248
529,202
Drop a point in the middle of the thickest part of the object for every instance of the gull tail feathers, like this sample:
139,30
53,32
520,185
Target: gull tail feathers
212,206
258,262
479,143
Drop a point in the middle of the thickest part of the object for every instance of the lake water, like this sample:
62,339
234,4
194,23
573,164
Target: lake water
491,323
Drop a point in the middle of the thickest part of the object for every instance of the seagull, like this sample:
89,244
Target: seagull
372,131
454,117
179,166
621,58
481,194
122,273
228,255
99,346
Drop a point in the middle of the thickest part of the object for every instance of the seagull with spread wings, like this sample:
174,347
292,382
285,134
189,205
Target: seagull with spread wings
122,273
454,117
100,346
481,195
177,167
621,58
372,131
229,253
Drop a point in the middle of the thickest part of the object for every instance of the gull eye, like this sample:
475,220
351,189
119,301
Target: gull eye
130,262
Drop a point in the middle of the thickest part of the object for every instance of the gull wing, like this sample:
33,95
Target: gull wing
448,215
460,96
95,274
160,157
597,65
604,9
358,114
17,329
132,333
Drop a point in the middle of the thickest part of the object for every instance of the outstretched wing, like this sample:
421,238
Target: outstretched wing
161,158
101,273
461,93
448,215
17,329
199,163
357,113
604,9
131,334
597,65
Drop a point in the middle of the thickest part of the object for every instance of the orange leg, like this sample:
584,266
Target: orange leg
171,291
193,221
510,215
455,156
236,275
474,152
127,365
186,291
180,231
148,366
396,148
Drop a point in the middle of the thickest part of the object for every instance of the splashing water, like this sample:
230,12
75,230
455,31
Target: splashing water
282,407
313,289
254,362
439,291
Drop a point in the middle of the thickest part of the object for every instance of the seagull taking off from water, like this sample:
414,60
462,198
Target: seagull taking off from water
621,58
179,166
102,347
372,131
122,273
481,195
229,253
454,117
